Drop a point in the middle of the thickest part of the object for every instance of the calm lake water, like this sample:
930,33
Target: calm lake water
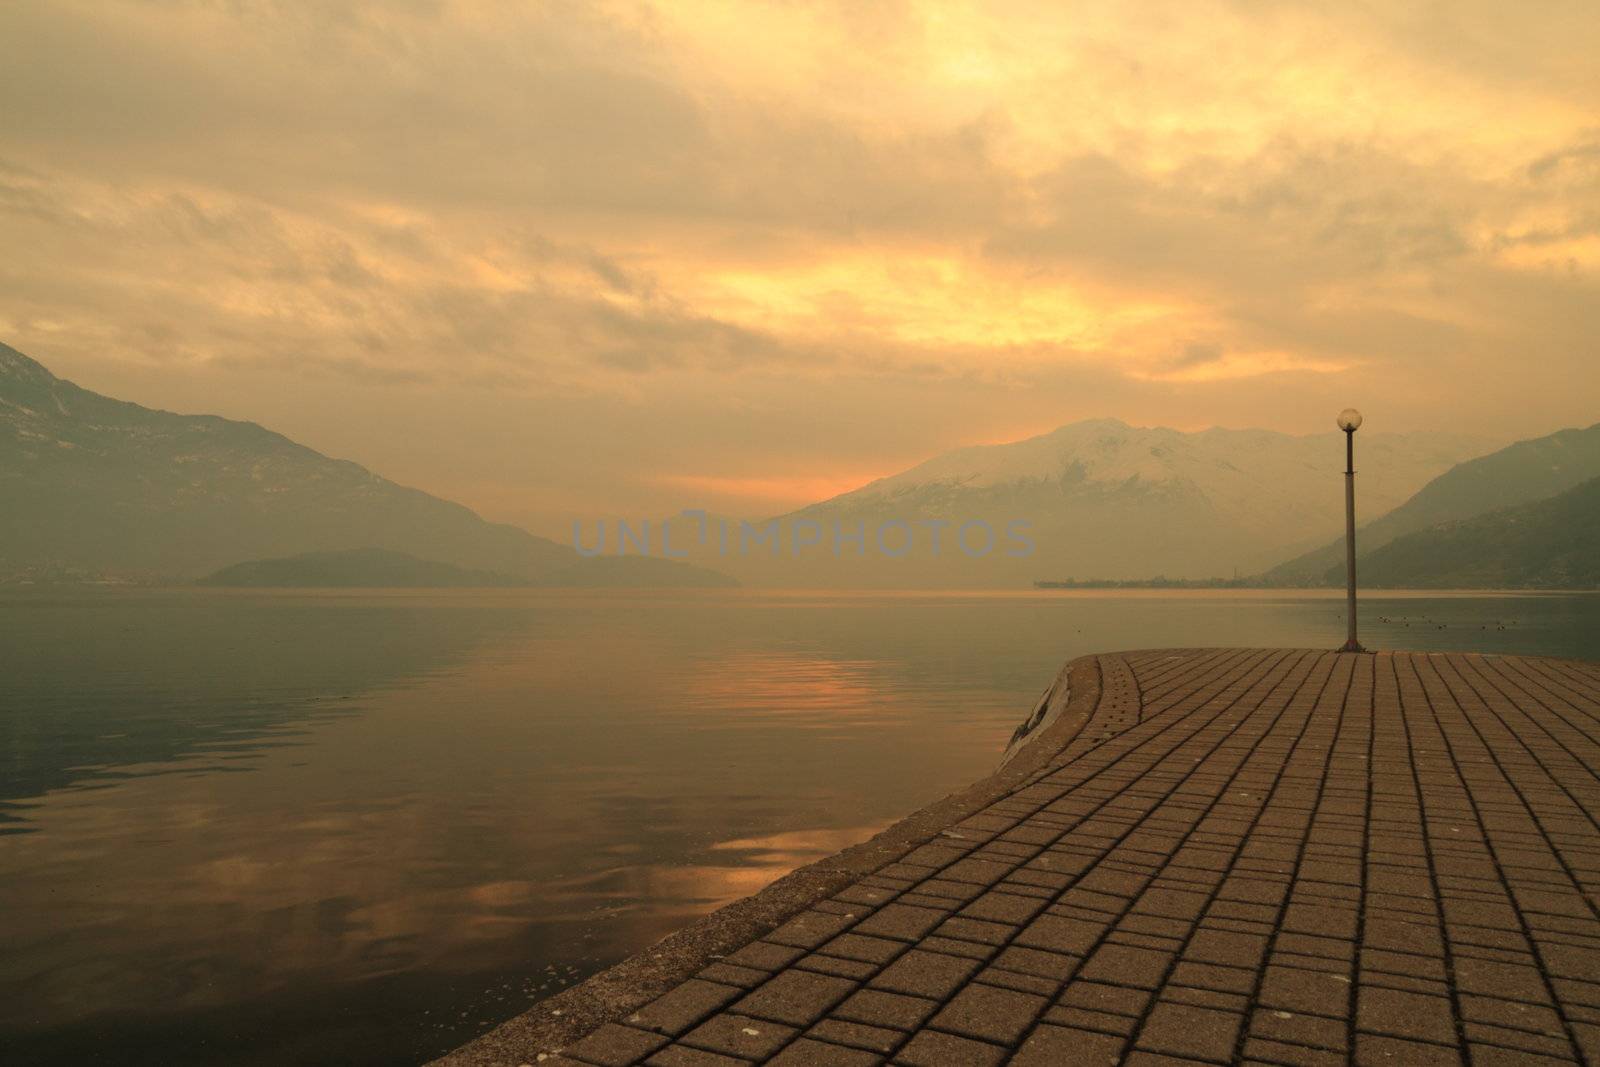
254,828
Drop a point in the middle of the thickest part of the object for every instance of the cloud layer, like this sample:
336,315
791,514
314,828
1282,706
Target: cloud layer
566,258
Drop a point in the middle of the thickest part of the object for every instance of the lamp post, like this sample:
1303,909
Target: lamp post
1350,422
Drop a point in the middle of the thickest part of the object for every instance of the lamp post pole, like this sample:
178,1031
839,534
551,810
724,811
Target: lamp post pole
1349,422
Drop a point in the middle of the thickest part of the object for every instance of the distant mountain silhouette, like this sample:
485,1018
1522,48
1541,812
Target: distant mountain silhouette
1548,544
1517,474
1104,500
95,486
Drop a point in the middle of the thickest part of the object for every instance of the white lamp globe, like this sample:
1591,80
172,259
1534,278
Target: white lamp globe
1349,419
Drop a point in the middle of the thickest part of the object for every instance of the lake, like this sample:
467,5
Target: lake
313,827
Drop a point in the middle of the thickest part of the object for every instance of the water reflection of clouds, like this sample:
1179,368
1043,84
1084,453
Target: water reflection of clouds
793,844
240,887
747,866
795,686
562,796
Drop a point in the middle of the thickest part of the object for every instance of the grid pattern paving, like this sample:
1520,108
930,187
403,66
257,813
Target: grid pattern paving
1246,855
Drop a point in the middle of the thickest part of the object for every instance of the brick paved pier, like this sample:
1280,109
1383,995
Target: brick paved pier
1216,856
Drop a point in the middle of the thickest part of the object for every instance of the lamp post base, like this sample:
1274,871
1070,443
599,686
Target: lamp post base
1352,645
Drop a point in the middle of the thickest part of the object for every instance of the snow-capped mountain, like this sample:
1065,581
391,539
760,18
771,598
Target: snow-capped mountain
1103,499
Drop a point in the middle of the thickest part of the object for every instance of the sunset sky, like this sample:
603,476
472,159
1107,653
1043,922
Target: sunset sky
563,259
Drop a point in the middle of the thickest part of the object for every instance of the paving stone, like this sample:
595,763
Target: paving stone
1259,1052
1171,903
971,950
1513,1013
1037,962
936,887
1322,920
866,949
1373,1050
728,974
810,929
1395,935
1309,992
878,1008
676,1011
1489,978
1141,1058
1226,948
1208,976
930,1048
1498,1056
857,1035
1311,945
1056,934
1376,962
1588,1038
1312,1031
798,998
1055,1046
974,930
990,1013
836,907
1155,926
839,968
1337,969
864,895
906,873
739,1035
934,855
1409,1015
926,974
1009,908
1185,1030
925,900
1022,983
1101,1022
684,1056
1481,1034
1162,944
1570,961
764,956
1205,998
1125,965
809,1053
1102,997
900,921
615,1046
1253,890
977,871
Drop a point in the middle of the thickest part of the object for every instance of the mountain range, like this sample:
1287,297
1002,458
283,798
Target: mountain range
1546,544
1101,500
1520,473
96,487
92,487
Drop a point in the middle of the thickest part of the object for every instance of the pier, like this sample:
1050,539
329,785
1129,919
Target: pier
1214,856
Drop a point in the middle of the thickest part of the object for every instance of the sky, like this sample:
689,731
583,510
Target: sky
560,260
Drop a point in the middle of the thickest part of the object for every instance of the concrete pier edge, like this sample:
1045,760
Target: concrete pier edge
616,992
